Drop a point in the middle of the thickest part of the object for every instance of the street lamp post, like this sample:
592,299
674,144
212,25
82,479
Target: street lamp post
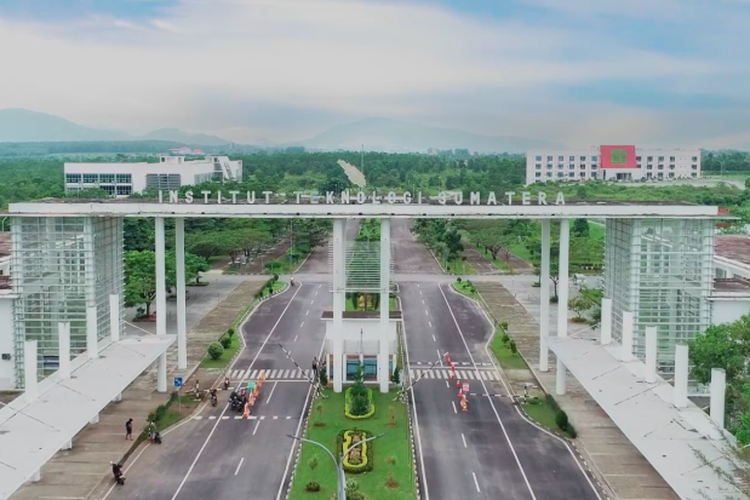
341,477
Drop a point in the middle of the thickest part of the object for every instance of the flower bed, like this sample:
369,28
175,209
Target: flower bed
359,459
348,405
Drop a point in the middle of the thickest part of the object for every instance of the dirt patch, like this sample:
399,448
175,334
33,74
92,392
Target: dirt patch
7,397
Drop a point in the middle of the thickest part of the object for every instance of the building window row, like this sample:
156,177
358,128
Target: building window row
98,178
119,190
570,158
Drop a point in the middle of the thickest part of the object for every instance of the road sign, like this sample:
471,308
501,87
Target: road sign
465,388
178,382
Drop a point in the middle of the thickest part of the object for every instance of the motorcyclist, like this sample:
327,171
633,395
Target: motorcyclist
214,398
117,471
226,383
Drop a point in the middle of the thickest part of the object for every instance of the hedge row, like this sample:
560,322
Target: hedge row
367,462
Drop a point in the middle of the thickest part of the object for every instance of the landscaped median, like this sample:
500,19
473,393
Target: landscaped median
379,469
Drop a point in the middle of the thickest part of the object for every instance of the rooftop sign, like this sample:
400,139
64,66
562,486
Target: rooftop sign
207,197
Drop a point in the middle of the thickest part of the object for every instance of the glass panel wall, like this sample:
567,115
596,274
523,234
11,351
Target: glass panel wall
662,271
61,266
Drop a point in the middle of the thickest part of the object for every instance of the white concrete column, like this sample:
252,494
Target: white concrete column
179,231
68,445
718,394
114,317
339,303
118,398
36,477
544,283
161,300
650,375
562,285
606,321
681,376
95,419
31,384
161,278
63,331
384,374
626,352
560,378
92,333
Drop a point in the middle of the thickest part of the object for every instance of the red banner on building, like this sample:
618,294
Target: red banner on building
618,157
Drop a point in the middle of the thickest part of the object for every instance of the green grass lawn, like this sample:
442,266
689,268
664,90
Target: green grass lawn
466,287
539,410
504,355
396,443
458,267
285,265
225,358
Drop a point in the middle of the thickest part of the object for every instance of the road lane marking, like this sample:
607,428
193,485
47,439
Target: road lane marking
257,424
300,325
418,286
433,338
226,407
425,487
455,410
308,312
429,323
476,483
463,438
447,384
270,394
440,357
305,406
420,292
426,313
422,301
492,403
312,302
237,471
295,338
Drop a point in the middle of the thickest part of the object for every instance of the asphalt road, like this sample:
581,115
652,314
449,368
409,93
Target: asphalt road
218,455
489,451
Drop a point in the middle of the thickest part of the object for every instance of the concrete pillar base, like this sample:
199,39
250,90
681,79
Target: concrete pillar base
36,477
68,445
94,420
118,398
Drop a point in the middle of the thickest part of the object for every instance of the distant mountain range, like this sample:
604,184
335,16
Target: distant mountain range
376,134
383,134
22,125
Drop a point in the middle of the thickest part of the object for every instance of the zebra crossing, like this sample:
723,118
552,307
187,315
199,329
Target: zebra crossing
443,374
271,374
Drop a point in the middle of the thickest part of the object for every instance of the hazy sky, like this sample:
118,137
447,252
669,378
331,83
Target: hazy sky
580,72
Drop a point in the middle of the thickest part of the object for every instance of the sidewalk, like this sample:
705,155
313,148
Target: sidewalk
618,463
75,474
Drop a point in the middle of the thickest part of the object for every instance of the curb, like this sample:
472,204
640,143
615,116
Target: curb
305,424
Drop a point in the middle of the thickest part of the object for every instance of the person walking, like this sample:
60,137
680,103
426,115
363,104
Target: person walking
129,430
315,365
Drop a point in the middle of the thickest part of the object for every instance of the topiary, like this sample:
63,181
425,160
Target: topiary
561,420
225,342
215,350
396,377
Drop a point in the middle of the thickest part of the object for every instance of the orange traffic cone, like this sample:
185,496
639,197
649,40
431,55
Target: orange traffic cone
453,376
246,411
460,392
251,400
448,357
458,385
464,404
453,368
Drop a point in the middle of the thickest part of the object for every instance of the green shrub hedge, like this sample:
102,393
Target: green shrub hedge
343,442
347,406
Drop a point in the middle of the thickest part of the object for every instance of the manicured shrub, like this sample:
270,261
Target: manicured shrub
561,420
396,378
231,332
226,342
215,350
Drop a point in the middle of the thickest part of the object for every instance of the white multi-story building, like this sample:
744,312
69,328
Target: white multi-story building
586,164
171,172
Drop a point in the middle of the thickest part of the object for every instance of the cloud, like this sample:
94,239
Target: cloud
339,59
